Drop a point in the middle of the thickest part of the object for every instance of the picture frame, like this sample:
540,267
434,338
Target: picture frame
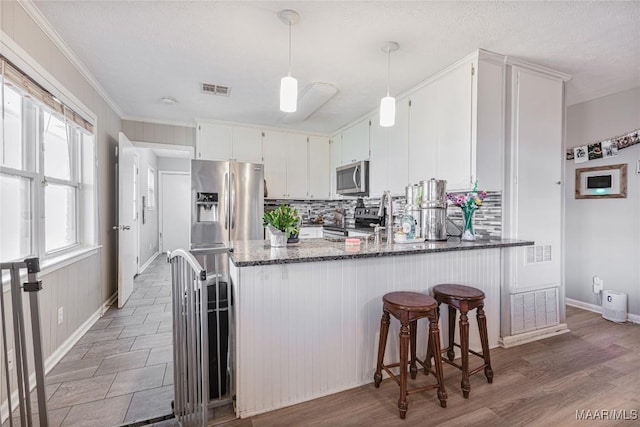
602,182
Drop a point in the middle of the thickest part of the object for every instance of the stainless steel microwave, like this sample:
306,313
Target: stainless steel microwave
353,179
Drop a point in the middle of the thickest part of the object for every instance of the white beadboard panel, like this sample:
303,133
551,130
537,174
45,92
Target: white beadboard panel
75,287
305,330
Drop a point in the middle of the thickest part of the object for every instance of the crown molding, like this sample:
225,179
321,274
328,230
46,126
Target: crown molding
21,59
510,60
40,20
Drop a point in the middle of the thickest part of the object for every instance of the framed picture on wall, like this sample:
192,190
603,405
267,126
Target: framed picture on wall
602,182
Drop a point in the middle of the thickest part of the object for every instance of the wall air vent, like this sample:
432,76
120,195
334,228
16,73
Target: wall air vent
216,89
538,253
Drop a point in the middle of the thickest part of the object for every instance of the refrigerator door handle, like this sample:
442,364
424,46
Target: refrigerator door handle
226,201
233,201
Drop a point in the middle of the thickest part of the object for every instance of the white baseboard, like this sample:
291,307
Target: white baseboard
148,263
634,318
538,334
57,355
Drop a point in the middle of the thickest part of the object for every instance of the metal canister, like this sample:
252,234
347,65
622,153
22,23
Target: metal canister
434,223
413,195
433,212
434,193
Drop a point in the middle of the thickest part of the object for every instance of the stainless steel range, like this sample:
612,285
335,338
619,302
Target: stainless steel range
363,217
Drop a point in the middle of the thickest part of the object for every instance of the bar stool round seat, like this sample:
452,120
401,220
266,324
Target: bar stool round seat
464,298
408,308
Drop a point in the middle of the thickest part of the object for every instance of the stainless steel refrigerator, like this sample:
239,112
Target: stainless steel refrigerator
227,202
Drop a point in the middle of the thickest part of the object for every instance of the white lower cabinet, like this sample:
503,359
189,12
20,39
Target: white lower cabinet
310,233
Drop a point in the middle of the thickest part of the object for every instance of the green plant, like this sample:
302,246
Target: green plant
284,218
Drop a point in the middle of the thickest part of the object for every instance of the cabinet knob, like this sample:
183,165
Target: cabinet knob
559,182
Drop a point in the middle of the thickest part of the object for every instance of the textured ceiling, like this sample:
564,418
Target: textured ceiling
140,51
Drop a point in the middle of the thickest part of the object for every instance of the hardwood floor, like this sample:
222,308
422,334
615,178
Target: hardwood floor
544,383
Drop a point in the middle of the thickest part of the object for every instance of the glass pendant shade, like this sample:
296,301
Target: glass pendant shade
288,94
387,111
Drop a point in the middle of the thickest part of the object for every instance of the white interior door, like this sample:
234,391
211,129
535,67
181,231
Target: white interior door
175,219
127,212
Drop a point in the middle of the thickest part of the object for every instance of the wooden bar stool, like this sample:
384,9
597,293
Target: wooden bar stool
408,307
463,298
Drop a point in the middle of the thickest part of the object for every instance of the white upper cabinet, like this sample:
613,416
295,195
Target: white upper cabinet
336,160
389,153
355,142
225,142
297,166
440,129
319,168
423,141
247,144
286,165
455,158
213,141
275,163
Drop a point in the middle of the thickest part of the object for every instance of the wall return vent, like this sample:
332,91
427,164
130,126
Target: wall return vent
216,89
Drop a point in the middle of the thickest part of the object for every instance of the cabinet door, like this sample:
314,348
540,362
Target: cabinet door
454,153
355,142
378,166
423,143
398,150
537,172
297,166
247,144
275,164
319,168
213,141
336,160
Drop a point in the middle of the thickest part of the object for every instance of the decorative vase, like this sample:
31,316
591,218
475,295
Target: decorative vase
467,226
278,238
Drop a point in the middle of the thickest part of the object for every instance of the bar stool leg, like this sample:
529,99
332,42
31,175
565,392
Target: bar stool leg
464,347
384,330
484,339
434,337
451,353
404,349
413,327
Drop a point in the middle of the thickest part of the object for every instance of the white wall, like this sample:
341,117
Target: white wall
603,236
148,231
92,280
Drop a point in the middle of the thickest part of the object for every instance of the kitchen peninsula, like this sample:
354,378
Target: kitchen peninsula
307,315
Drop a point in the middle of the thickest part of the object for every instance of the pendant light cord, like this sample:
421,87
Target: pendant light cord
289,47
388,69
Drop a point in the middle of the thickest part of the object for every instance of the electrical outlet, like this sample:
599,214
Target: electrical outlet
60,315
11,359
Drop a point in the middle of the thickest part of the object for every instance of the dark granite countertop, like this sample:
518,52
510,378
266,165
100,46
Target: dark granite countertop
259,252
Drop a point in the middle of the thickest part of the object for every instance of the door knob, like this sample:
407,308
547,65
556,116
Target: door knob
121,227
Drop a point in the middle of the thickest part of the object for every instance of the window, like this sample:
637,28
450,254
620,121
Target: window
47,174
151,188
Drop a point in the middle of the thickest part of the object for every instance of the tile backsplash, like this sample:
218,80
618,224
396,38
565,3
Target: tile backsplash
487,221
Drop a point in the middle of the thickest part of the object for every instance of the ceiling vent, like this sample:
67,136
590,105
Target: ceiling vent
216,89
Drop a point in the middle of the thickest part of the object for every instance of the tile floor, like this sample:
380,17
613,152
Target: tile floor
121,370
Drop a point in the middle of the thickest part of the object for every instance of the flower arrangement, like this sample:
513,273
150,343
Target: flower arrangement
469,203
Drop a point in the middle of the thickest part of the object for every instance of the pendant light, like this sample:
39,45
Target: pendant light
288,84
388,103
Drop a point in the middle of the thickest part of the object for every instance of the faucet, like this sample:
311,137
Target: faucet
386,213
